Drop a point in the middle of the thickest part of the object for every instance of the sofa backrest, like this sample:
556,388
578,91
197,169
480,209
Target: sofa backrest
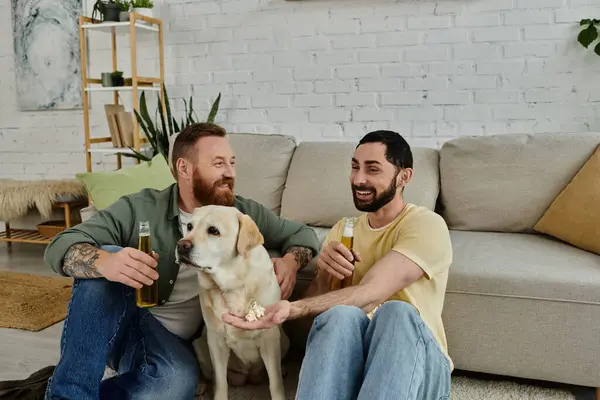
262,163
317,191
505,183
261,166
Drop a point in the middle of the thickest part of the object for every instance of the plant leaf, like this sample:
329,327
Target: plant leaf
214,110
190,116
168,107
136,155
163,136
149,129
597,49
175,125
587,36
585,21
149,134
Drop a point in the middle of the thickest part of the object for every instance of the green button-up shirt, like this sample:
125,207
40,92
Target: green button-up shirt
118,225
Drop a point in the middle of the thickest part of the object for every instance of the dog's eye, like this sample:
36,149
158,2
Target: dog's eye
213,231
189,227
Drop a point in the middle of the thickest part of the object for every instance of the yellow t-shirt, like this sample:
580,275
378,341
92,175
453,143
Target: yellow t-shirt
420,235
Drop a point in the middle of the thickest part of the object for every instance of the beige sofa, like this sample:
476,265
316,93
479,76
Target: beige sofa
518,303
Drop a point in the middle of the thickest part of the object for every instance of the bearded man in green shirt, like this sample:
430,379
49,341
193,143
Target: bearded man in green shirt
151,348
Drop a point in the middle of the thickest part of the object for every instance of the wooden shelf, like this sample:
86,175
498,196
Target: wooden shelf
114,150
24,236
14,235
119,28
121,88
137,23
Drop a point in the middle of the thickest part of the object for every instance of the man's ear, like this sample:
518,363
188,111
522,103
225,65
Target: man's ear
404,177
249,236
182,168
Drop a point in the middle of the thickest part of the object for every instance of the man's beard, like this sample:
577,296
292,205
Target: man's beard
212,194
378,201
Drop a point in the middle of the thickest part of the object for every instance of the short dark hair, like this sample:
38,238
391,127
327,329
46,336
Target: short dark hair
397,148
187,138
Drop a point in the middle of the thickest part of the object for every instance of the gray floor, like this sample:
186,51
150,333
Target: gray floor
23,352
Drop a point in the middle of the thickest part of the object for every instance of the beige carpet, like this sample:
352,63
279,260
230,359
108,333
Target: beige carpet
463,388
32,302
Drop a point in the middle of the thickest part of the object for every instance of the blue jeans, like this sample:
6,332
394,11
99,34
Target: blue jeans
392,356
105,327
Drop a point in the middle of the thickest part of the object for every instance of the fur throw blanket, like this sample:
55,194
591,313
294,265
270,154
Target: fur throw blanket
17,197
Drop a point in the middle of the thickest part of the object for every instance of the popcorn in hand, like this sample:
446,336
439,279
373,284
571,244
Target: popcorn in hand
255,313
372,312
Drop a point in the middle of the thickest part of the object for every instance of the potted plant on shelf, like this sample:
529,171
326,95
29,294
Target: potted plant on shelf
109,10
159,131
142,7
124,6
114,78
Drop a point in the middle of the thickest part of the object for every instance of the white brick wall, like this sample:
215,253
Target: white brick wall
331,70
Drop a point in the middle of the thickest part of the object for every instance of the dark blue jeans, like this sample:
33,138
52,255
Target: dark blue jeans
105,327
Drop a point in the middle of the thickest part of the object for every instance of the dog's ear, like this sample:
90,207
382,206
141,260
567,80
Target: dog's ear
249,236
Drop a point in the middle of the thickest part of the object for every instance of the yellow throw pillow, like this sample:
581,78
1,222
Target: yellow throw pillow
574,216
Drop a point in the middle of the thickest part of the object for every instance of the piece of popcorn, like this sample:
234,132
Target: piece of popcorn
372,312
255,313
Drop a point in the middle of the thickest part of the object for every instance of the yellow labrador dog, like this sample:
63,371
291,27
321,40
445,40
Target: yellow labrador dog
234,272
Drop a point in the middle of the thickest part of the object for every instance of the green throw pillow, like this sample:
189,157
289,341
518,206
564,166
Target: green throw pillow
107,187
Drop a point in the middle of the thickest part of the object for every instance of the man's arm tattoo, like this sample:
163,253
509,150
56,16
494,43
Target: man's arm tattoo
79,262
302,254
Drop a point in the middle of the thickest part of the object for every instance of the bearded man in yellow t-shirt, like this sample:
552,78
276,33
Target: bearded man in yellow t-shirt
402,253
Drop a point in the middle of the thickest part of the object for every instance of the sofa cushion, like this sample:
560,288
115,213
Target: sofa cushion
262,163
574,216
523,266
505,183
106,187
317,191
261,166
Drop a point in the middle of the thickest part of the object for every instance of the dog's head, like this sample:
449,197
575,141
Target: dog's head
215,236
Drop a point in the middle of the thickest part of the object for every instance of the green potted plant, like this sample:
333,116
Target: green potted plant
142,7
114,78
109,10
117,78
124,6
160,130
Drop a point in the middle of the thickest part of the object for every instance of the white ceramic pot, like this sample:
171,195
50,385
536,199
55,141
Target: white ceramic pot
147,12
124,16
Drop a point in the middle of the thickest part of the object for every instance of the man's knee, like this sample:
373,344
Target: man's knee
396,312
340,316
177,380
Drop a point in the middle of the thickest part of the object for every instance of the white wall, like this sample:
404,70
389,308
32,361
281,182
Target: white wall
335,69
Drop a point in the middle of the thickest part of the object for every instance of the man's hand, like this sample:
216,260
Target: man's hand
285,270
336,260
275,314
129,266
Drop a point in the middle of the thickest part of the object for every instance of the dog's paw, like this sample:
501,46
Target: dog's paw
256,312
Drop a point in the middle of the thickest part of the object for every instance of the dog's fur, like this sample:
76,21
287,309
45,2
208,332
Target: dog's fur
234,269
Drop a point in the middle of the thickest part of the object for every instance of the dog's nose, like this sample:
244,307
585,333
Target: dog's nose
184,245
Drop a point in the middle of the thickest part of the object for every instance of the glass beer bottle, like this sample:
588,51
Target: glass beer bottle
147,296
348,241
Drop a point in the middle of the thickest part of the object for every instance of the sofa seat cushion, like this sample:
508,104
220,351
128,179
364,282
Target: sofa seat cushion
523,266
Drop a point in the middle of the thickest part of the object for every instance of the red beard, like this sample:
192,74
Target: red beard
207,194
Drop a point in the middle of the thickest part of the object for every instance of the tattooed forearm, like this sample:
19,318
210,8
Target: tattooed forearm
302,254
79,262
